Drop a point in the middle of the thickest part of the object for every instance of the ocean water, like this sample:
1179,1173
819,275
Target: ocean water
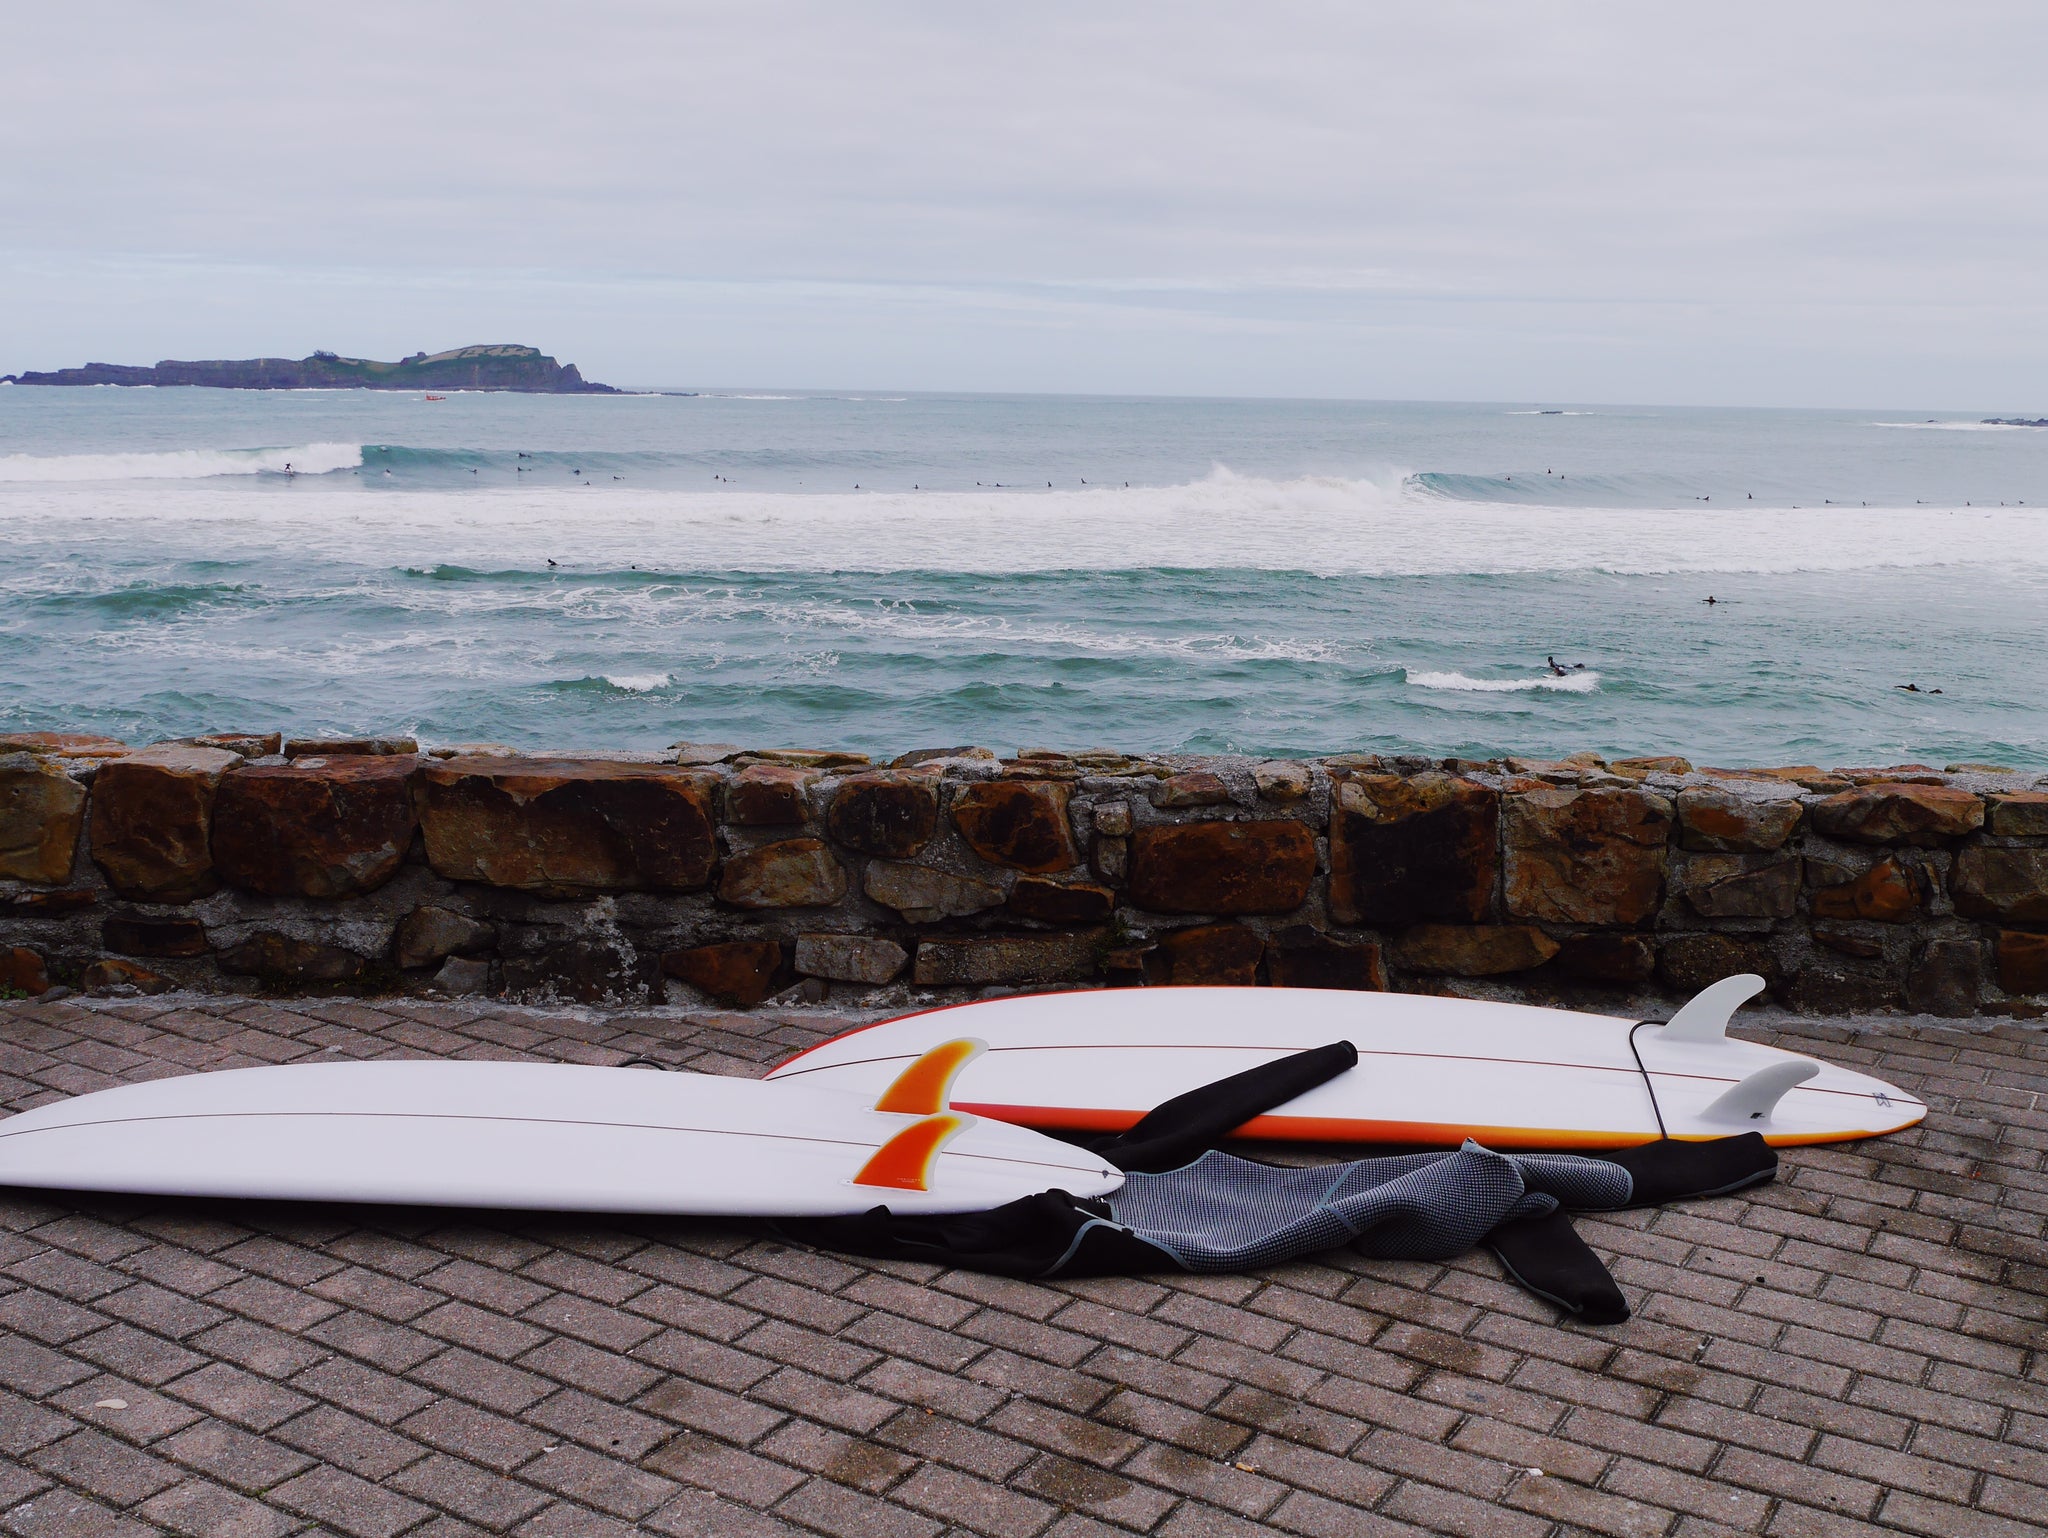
883,571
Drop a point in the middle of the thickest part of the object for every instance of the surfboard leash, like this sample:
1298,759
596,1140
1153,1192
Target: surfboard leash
1649,1084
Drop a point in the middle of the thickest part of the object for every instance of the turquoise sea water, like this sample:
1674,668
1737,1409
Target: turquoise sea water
884,571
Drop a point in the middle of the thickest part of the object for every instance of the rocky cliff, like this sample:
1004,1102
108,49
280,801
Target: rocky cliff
489,366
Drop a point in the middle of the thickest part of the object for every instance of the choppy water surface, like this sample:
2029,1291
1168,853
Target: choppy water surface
884,571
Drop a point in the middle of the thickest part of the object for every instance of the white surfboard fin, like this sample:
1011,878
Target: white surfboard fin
1705,1017
926,1086
1757,1096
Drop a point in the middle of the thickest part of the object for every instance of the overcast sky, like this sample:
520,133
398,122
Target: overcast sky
1786,203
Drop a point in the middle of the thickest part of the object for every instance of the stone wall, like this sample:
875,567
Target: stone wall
712,873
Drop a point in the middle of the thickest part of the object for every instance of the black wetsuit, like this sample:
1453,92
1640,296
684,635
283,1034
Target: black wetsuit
1184,1206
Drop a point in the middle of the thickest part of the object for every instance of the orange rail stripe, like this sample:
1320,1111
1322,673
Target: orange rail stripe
1326,1129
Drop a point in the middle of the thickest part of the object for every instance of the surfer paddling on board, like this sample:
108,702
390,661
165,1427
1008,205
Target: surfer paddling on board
1559,670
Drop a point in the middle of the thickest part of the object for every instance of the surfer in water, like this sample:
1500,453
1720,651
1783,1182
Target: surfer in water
1559,670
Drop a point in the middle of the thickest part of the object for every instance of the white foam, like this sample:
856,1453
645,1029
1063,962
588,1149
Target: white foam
1326,526
180,464
1587,682
637,683
1966,427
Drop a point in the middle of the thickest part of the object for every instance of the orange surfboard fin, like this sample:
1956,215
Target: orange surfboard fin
922,1088
904,1163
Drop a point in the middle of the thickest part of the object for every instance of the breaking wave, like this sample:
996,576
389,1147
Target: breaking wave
1968,427
1587,682
1391,525
181,464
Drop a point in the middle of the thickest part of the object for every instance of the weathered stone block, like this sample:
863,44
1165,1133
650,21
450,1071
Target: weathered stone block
918,756
1197,787
112,975
811,758
431,933
23,971
567,826
1055,902
2020,814
1296,960
1653,763
152,821
137,935
1018,823
2022,962
1283,780
248,744
1222,867
1403,849
350,747
1716,821
1208,956
316,827
279,958
1888,813
1615,959
923,895
1474,950
703,753
1846,941
1585,856
1890,892
463,975
1111,858
2006,884
475,750
1688,963
1005,959
795,873
1946,979
1113,819
740,973
1839,990
849,958
42,810
63,744
890,814
1727,886
588,972
767,795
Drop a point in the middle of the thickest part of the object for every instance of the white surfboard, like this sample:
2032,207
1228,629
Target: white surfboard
545,1136
1430,1070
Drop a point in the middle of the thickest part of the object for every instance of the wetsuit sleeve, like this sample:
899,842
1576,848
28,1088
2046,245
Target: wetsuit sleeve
1546,1255
1670,1171
1188,1126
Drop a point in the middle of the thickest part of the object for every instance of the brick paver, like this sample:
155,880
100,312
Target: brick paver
1856,1349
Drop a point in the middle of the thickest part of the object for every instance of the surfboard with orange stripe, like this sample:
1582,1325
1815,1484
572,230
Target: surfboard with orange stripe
548,1136
1431,1071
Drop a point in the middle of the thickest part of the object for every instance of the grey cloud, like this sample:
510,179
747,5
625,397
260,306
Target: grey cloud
1825,202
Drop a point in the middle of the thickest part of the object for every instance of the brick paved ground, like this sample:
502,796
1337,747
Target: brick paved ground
1859,1348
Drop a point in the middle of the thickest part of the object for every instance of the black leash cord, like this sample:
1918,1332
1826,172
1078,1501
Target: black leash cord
1648,1084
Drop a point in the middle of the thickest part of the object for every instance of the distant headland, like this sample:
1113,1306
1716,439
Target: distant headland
489,366
2016,421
